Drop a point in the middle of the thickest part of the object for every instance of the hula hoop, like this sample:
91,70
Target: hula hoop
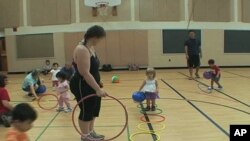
139,106
152,112
39,100
163,126
142,118
138,133
92,95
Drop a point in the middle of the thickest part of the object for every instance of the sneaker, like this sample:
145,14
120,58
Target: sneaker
6,120
30,95
97,136
197,75
60,109
90,138
68,110
220,88
210,88
147,108
153,108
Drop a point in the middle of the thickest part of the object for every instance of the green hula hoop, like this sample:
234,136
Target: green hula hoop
152,112
139,106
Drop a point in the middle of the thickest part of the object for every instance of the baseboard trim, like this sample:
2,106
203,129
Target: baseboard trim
17,72
159,68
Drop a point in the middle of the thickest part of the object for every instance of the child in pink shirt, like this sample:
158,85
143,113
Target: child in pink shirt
63,92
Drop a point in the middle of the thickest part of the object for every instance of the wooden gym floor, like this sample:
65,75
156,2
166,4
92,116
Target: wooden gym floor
191,115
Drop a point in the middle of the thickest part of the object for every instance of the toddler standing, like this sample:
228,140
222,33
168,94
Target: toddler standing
54,71
150,88
63,92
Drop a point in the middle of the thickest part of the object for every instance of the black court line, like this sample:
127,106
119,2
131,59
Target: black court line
198,109
206,102
237,74
150,127
220,91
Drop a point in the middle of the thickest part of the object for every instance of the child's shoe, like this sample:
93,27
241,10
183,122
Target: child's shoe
60,109
210,88
147,108
153,108
6,120
68,110
30,95
220,88
197,75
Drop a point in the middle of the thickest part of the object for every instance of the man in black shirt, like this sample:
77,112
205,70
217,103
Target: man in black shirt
193,54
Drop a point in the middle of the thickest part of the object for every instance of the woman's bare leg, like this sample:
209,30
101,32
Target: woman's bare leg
84,126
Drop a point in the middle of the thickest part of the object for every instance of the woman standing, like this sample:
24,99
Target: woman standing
87,81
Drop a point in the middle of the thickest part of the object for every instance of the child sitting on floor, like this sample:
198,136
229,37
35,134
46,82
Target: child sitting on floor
5,106
46,67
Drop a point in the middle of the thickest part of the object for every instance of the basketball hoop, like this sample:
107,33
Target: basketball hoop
102,8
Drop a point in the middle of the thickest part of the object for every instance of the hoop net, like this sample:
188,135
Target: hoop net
102,8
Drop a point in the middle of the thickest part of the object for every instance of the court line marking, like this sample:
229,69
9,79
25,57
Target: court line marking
128,132
207,102
122,98
106,80
39,136
237,74
219,91
198,109
208,95
176,99
150,127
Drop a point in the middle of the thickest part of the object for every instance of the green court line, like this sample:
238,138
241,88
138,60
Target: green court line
128,133
47,126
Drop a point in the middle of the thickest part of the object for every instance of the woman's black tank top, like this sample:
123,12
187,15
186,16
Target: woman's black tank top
94,68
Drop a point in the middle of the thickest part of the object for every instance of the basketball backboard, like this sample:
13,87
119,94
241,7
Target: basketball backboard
97,3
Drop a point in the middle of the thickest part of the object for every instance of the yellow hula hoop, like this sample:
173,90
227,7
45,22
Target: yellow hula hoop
163,126
138,133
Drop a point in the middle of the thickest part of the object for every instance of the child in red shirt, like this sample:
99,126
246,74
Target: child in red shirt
23,116
216,74
5,106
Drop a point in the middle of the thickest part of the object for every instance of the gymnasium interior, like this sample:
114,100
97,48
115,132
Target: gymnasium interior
141,33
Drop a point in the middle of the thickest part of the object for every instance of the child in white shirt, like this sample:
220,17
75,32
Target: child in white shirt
54,71
151,89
